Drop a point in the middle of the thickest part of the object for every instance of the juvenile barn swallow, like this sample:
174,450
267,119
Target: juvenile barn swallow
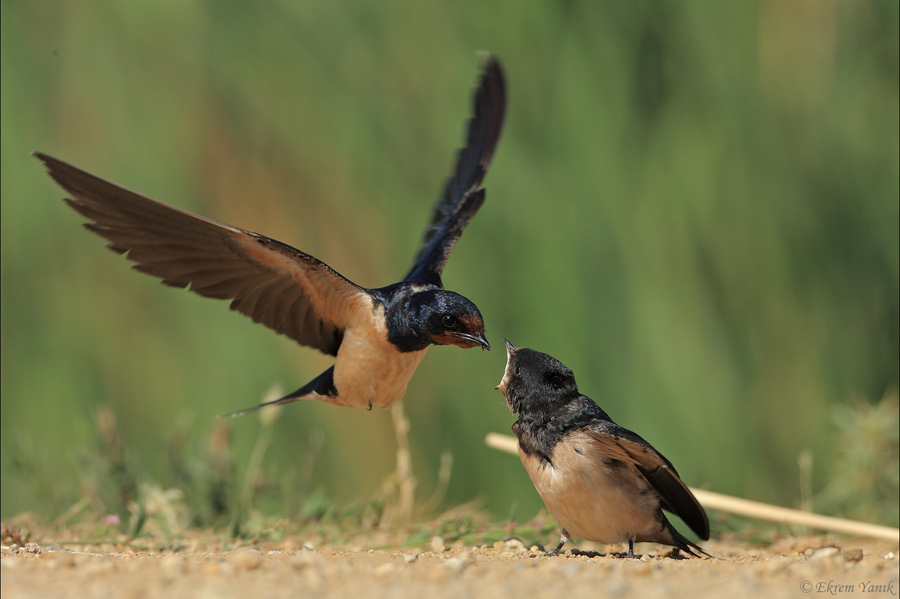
600,481
378,336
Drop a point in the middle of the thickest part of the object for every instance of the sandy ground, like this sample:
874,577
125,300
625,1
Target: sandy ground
809,566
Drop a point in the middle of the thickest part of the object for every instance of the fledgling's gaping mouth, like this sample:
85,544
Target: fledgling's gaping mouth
509,372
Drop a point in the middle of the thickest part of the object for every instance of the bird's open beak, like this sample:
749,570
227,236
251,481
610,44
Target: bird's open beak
510,367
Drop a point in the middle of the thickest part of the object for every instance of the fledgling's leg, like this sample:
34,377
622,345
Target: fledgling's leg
631,548
563,537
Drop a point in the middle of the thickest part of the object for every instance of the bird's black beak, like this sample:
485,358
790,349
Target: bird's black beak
482,341
466,340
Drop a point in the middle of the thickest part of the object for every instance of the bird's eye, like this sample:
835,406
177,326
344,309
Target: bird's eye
449,321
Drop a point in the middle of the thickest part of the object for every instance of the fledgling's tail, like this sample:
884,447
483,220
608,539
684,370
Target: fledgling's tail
685,544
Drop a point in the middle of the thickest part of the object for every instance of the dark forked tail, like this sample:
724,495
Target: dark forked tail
321,385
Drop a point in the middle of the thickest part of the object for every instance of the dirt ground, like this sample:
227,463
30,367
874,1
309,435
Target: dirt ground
797,567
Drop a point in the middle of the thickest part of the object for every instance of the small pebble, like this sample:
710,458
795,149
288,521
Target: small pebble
824,552
853,555
410,557
33,548
454,564
246,558
437,544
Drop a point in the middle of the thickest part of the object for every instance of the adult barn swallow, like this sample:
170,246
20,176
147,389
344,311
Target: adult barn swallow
378,336
600,481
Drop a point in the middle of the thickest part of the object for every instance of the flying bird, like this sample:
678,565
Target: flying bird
378,336
600,481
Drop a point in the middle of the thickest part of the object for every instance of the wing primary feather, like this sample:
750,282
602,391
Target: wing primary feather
216,260
677,498
674,495
463,194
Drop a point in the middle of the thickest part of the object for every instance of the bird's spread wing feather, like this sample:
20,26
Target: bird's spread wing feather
674,495
276,285
463,194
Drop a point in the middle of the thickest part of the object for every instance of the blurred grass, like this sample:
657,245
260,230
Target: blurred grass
694,206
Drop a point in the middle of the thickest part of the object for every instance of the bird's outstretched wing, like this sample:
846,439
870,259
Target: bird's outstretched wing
463,194
276,285
674,495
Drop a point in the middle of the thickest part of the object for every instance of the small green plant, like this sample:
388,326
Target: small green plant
865,483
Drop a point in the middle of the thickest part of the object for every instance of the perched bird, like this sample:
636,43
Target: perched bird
600,481
378,336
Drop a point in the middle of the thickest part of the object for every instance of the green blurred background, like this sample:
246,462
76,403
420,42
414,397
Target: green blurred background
694,205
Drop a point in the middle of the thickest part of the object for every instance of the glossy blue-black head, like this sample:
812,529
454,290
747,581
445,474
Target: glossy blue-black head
436,316
452,319
534,381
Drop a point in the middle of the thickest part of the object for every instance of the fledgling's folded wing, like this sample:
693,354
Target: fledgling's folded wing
276,285
463,194
674,495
